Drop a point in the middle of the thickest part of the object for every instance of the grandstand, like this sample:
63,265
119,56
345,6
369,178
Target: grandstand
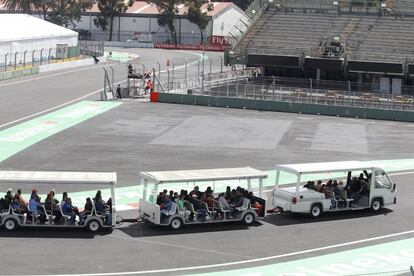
295,38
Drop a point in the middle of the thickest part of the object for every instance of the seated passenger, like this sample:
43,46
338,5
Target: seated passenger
36,207
167,207
175,197
208,199
51,206
8,198
199,207
181,207
68,210
355,190
64,198
318,186
87,210
228,193
238,202
16,206
233,196
196,191
160,199
310,185
102,209
22,202
255,204
224,204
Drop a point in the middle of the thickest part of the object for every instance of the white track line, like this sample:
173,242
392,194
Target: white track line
66,103
246,261
55,107
48,76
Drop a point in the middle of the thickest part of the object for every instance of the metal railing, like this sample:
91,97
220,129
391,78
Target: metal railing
92,48
31,58
306,96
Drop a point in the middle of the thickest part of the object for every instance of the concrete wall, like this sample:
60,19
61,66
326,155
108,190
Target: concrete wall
341,111
18,73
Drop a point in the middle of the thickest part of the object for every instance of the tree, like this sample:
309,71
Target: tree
168,9
23,5
63,12
44,6
197,16
109,9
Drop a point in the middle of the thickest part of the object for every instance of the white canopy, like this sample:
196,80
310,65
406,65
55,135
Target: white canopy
324,167
203,175
16,27
58,177
22,32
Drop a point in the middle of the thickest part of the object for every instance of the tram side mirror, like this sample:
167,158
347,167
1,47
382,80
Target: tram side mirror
394,187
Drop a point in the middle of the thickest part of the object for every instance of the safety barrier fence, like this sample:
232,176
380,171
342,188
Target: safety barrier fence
15,60
306,101
349,86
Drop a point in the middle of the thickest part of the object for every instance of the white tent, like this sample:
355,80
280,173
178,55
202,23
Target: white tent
22,32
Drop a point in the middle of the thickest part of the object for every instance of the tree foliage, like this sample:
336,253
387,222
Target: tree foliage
168,9
24,5
61,12
65,12
108,10
197,16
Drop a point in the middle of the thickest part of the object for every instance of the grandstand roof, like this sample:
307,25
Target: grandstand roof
18,27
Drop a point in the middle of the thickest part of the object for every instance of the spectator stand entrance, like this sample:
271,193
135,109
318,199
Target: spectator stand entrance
198,207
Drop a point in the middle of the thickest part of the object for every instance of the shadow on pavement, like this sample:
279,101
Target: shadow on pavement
291,219
56,233
148,230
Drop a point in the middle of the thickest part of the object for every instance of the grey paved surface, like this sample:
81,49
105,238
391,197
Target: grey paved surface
144,136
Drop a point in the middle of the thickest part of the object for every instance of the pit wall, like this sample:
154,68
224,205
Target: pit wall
314,109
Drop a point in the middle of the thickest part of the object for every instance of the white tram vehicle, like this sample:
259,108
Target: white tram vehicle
376,191
75,183
154,182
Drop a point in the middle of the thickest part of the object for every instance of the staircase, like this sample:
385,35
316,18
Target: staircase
248,26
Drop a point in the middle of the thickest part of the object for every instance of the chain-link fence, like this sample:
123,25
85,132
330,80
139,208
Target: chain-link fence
193,38
27,59
91,48
366,87
180,74
242,88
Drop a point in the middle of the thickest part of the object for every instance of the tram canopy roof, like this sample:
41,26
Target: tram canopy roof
58,177
309,168
203,175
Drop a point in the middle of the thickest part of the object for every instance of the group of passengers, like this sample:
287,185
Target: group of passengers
197,205
58,212
340,195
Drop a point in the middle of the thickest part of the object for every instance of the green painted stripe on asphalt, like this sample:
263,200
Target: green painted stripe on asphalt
387,258
22,136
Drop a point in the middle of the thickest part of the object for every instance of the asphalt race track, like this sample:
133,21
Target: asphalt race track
139,136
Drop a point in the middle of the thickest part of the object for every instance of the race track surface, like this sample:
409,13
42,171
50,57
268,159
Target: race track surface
140,136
